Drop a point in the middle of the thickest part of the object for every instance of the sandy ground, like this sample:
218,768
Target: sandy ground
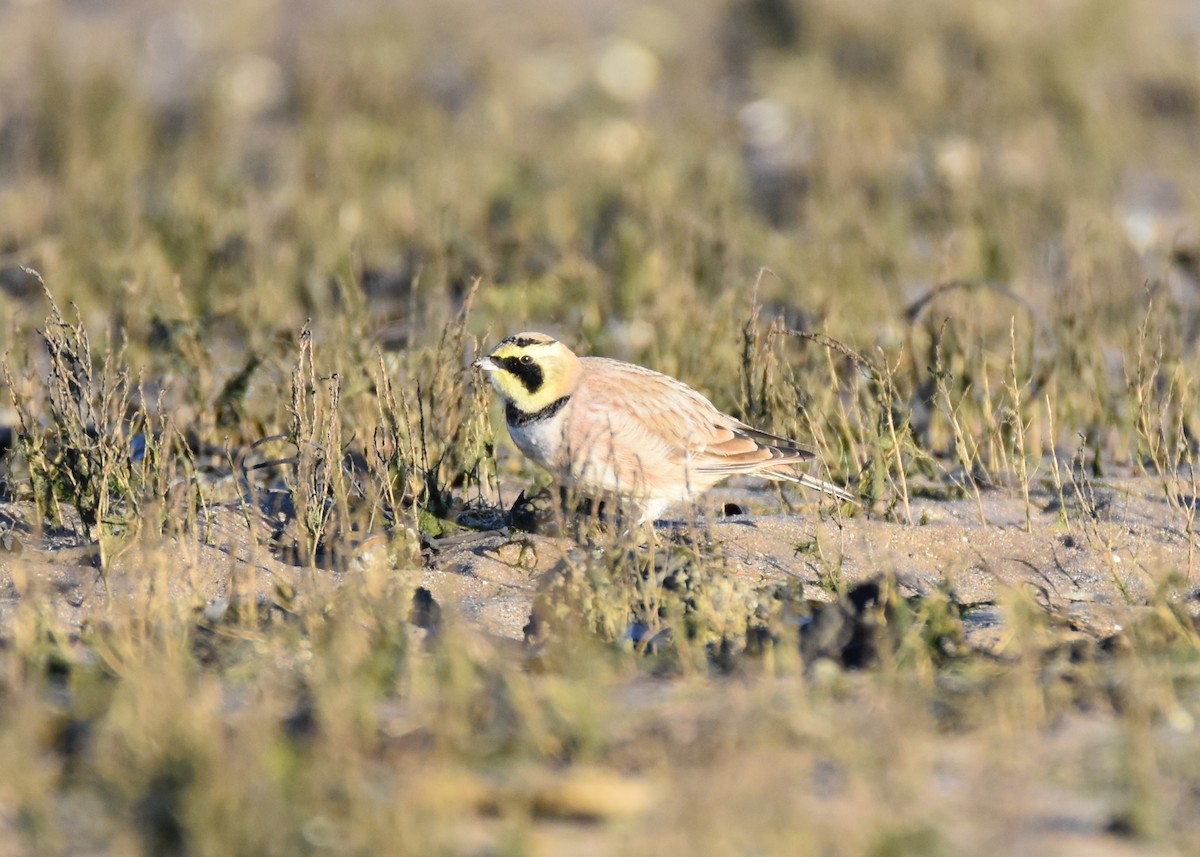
1099,566
1098,569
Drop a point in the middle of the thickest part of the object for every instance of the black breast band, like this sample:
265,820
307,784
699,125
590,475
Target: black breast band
518,417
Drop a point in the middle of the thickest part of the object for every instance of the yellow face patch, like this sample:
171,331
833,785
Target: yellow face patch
532,370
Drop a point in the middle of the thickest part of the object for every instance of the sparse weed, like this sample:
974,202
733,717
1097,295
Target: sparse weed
320,490
437,430
81,443
1164,400
250,674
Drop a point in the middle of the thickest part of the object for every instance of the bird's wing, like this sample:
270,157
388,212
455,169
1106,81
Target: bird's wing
661,415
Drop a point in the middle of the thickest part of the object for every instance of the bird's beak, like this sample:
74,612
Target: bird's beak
486,364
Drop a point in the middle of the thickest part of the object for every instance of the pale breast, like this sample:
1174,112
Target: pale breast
540,440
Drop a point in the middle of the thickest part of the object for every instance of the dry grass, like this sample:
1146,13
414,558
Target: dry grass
953,245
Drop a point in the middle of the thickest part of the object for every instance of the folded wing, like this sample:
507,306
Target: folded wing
652,411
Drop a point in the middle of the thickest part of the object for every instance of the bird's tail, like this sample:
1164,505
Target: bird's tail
827,488
790,475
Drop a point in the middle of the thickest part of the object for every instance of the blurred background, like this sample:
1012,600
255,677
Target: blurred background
619,172
992,205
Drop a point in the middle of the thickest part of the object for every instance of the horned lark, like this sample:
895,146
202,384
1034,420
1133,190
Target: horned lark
610,427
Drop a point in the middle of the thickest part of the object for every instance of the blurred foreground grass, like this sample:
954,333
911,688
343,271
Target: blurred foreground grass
297,221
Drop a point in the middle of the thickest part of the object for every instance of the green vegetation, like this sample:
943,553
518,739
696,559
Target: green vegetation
246,257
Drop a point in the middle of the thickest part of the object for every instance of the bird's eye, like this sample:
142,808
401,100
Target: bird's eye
526,359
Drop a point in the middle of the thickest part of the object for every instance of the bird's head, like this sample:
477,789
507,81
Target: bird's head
531,370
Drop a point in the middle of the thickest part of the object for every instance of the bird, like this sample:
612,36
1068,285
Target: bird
613,428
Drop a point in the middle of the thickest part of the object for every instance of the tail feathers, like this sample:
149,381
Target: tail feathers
790,475
828,488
